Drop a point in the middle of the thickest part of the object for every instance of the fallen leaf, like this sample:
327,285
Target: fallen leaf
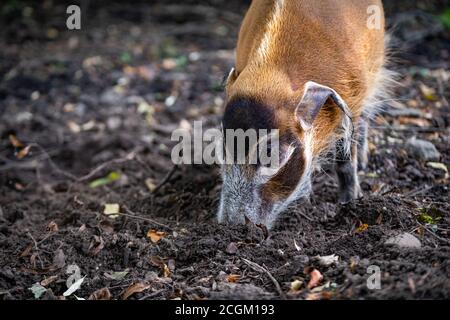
438,166
158,262
316,278
155,236
23,152
150,183
111,177
296,285
15,142
52,226
135,288
101,294
322,287
74,287
371,175
327,260
112,210
313,296
27,250
326,295
118,275
106,226
48,281
166,271
297,247
425,218
233,278
96,245
379,219
354,262
428,93
362,227
19,186
38,290
74,127
88,125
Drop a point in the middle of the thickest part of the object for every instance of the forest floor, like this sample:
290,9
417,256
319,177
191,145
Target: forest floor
86,118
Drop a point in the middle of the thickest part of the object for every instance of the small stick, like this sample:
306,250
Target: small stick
259,268
127,158
134,215
166,179
434,234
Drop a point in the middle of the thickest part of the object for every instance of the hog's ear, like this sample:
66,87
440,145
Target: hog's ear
314,98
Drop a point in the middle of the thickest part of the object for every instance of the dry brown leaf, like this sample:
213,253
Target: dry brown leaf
379,219
106,226
354,262
316,278
233,278
135,288
101,294
326,295
48,281
313,296
362,227
52,226
96,245
166,271
23,152
15,142
27,250
155,236
158,262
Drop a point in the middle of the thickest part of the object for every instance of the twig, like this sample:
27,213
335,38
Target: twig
134,215
152,295
37,249
46,156
419,190
433,233
166,178
53,164
259,268
127,158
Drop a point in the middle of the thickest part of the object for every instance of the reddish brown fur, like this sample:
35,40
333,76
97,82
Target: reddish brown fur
324,41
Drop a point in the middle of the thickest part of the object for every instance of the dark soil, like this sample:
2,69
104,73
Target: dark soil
106,98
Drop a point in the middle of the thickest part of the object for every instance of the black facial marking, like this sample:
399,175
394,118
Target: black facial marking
247,113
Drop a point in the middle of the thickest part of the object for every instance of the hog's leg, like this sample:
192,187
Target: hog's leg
346,170
363,129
